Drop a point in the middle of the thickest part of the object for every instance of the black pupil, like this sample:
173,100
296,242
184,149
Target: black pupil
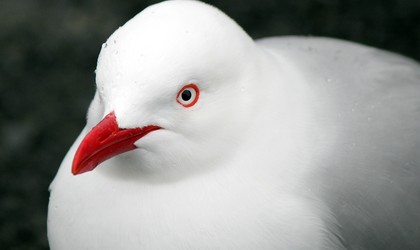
186,95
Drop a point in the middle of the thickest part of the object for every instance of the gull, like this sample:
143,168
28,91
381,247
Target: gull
199,137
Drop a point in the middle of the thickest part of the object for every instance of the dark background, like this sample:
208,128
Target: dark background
48,52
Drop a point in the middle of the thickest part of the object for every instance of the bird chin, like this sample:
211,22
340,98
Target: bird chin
141,165
162,156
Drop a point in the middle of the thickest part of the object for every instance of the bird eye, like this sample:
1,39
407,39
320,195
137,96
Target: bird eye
188,95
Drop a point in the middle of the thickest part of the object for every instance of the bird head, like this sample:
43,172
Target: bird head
172,88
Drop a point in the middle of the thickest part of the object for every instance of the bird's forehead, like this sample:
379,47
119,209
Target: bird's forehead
166,46
129,64
148,52
156,45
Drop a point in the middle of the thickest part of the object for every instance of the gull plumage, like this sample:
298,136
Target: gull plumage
292,143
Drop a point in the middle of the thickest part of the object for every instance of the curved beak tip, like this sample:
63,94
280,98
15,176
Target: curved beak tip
104,141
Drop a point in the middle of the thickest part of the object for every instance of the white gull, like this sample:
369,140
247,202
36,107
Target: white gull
279,143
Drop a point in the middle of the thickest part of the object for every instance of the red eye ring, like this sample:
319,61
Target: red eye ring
188,95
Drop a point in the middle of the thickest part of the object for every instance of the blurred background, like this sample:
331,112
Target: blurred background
48,52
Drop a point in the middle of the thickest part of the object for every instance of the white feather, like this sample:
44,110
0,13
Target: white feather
295,143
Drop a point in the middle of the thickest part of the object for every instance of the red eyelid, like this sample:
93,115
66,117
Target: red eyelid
197,91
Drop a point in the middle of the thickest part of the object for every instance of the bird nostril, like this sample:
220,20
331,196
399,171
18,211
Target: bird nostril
102,138
106,128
